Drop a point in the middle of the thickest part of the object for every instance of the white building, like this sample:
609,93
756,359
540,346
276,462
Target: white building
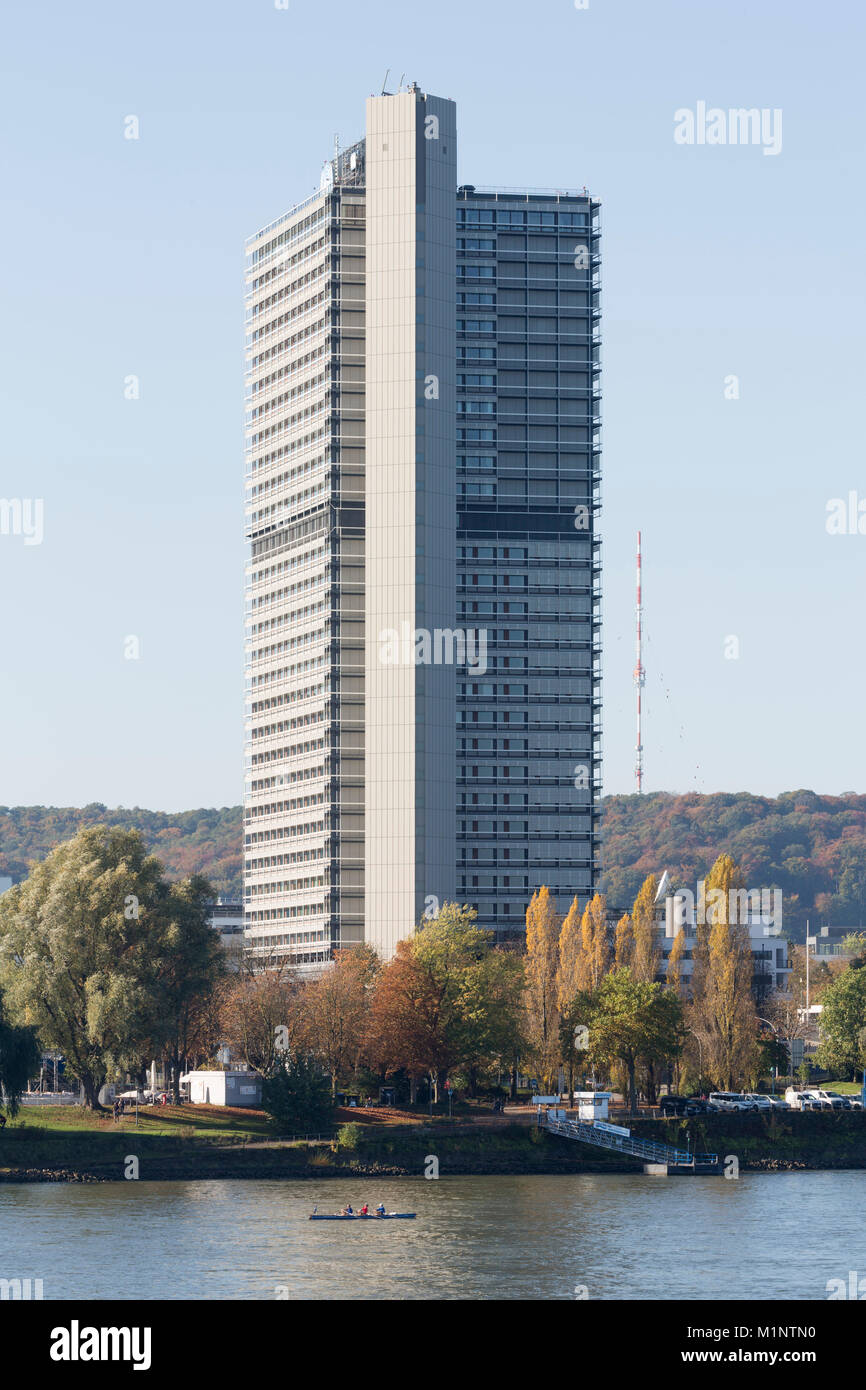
242,1088
676,912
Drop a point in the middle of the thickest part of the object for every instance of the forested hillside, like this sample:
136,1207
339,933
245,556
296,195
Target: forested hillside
206,841
812,847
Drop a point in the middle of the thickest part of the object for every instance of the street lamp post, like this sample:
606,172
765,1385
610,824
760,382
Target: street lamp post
776,1032
700,1060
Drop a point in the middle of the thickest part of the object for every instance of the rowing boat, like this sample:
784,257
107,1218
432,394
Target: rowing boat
368,1216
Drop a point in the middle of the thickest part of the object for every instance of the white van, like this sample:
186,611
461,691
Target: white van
802,1100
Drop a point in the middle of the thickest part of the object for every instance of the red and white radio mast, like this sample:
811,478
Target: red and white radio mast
639,677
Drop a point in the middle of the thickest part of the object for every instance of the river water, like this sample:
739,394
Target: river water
762,1236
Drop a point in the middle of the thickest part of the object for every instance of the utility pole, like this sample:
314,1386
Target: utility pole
639,676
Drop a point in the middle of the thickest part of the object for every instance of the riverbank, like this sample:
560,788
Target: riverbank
232,1148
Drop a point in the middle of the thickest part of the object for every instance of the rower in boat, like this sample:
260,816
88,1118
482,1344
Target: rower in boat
380,1210
348,1215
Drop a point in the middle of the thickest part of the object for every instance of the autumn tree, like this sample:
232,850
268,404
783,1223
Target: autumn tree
542,966
337,1005
674,974
571,968
596,945
263,1015
646,955
623,943
584,959
722,1011
447,1000
411,1023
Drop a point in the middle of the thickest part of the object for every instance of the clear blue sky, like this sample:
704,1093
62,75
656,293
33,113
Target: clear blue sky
125,257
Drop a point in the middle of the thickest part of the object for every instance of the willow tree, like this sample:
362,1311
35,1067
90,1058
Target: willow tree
540,997
80,945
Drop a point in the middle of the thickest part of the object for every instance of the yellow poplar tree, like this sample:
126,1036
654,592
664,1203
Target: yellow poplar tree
647,946
722,1005
542,962
570,968
675,962
623,943
596,947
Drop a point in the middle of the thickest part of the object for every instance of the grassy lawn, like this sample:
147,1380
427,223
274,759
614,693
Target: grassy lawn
212,1121
845,1088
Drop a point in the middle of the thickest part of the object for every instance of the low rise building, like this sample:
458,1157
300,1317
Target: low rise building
677,911
227,918
241,1088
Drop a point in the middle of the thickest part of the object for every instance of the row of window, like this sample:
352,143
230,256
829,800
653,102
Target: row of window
279,808
518,217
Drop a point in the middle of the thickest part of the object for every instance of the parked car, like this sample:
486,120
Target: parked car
673,1105
855,1102
776,1103
759,1101
697,1106
845,1100
828,1099
731,1101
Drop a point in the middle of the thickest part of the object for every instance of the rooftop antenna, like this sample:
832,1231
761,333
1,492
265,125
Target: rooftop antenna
385,82
402,75
639,676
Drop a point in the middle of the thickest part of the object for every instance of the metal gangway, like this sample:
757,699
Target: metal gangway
647,1149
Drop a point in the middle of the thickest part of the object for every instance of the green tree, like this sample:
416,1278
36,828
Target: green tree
474,989
297,1095
842,1017
492,1007
188,962
19,1060
79,944
633,1021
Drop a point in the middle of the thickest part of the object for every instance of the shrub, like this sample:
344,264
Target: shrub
297,1096
349,1136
